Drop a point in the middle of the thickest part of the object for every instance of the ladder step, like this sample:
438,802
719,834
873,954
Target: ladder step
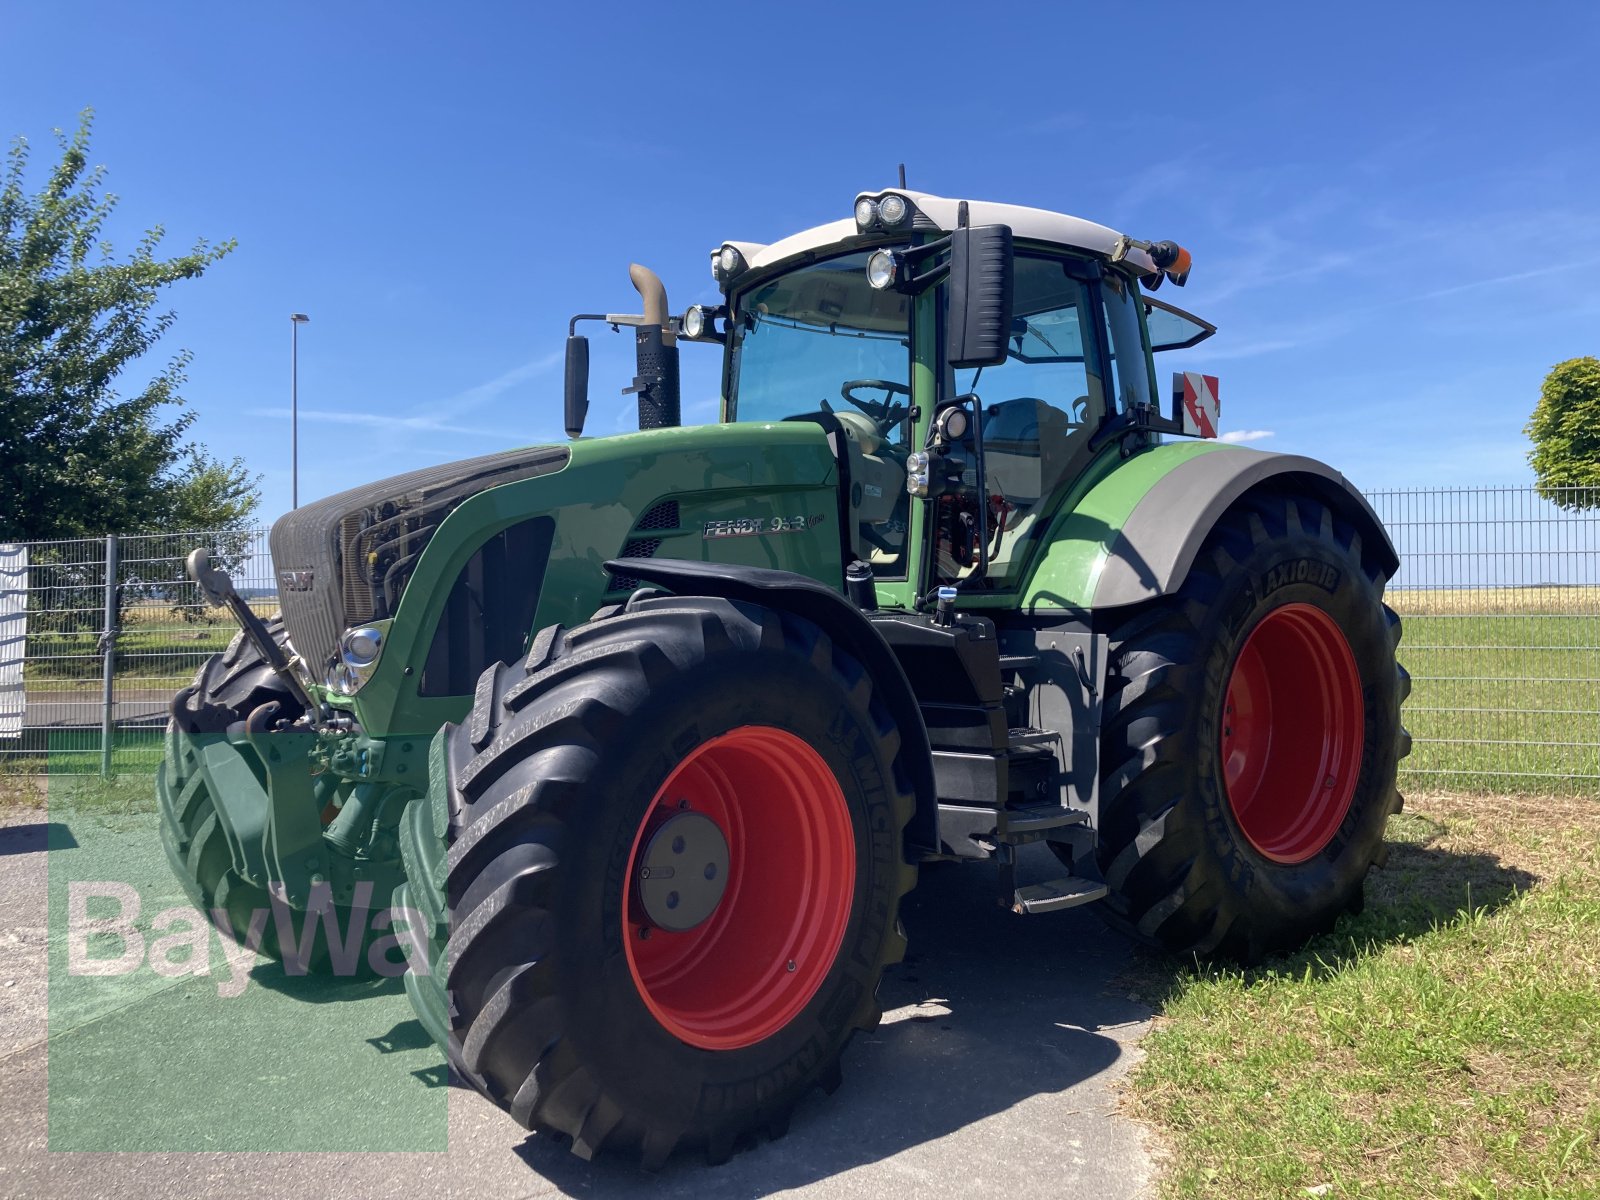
1057,894
1032,737
1016,821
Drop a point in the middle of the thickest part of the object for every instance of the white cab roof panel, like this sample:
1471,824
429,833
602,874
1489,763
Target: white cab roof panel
1027,224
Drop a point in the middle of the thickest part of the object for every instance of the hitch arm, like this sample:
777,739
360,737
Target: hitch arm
218,588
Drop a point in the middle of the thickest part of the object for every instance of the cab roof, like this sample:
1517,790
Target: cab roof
929,213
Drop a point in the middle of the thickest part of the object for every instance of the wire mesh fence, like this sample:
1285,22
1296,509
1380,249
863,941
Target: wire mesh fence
86,671
1499,589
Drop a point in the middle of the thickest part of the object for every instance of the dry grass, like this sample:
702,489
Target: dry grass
1495,601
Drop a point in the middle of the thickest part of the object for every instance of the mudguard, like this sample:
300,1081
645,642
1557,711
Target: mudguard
828,609
1157,544
1135,532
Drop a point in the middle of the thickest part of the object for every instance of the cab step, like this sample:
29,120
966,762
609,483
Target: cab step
1057,894
1019,826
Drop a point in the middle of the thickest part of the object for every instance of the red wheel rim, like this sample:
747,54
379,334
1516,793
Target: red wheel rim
1292,730
749,968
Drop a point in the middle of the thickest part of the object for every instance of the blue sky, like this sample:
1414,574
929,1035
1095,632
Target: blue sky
1394,210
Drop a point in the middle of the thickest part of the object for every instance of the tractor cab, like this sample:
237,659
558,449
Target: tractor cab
980,356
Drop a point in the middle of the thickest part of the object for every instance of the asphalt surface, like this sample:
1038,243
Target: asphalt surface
994,1073
79,708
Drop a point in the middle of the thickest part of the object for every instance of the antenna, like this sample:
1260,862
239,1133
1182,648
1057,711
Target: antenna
902,174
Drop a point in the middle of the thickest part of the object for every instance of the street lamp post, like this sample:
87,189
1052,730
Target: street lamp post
295,321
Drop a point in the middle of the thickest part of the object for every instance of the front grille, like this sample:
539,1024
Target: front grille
347,558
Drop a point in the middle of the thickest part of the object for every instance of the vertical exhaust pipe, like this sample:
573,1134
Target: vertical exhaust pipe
656,350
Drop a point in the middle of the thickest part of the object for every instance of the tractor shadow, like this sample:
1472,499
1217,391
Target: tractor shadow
989,1009
1422,888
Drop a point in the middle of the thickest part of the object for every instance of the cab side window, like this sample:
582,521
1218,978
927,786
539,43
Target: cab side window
1040,407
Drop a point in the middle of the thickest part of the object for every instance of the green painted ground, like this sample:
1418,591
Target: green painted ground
178,1050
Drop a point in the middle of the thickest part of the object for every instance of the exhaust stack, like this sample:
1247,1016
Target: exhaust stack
656,349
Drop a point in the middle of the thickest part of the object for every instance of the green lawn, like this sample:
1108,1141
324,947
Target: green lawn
1445,1042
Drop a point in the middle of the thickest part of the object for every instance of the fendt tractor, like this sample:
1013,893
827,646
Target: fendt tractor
633,745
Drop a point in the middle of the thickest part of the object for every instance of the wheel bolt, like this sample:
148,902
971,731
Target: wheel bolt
791,964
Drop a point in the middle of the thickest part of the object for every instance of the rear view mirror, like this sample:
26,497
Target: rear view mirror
978,319
577,384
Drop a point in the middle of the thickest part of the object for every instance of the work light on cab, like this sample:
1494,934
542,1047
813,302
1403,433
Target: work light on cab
892,209
883,268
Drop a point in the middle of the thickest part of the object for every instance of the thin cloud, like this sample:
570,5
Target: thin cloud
476,397
1240,436
1516,277
381,421
1247,349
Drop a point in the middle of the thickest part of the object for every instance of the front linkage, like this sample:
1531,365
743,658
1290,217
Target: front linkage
275,806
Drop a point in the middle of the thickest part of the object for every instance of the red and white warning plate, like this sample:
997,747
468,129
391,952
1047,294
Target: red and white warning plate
1197,396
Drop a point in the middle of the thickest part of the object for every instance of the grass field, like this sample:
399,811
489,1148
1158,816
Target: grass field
1506,688
1445,1042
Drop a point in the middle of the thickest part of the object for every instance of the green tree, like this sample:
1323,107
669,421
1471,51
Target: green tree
1565,431
78,457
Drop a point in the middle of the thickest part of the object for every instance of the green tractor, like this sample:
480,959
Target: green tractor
632,746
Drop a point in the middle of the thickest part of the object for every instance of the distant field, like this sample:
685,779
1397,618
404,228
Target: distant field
157,647
1506,693
1495,601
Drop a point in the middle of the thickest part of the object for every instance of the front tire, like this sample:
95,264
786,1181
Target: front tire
586,996
1251,737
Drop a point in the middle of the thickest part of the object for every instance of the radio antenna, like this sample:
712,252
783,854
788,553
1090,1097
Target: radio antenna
902,174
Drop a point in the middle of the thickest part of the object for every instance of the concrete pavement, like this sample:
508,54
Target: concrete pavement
994,1073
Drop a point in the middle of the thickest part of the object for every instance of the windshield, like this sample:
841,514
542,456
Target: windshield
819,338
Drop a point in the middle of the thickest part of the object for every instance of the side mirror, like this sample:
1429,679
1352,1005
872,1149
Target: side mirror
577,384
978,319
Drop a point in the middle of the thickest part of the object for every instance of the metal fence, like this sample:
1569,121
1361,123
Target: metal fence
1499,589
96,634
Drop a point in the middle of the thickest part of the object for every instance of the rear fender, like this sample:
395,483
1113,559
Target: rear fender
1152,552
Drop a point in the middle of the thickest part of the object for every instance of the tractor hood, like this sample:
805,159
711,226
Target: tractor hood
346,559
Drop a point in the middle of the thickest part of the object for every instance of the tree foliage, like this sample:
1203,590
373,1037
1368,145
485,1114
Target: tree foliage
79,456
1565,431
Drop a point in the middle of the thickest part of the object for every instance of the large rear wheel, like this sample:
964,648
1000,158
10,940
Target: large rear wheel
661,868
1251,737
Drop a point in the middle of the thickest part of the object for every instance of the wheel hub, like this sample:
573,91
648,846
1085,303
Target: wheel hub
683,871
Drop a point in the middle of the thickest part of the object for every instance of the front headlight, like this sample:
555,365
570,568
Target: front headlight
359,651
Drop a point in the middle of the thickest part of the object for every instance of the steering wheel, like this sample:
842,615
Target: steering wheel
885,412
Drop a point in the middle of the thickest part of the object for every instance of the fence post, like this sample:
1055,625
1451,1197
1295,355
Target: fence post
108,657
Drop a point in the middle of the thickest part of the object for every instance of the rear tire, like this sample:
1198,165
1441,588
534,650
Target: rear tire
1251,737
569,1003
